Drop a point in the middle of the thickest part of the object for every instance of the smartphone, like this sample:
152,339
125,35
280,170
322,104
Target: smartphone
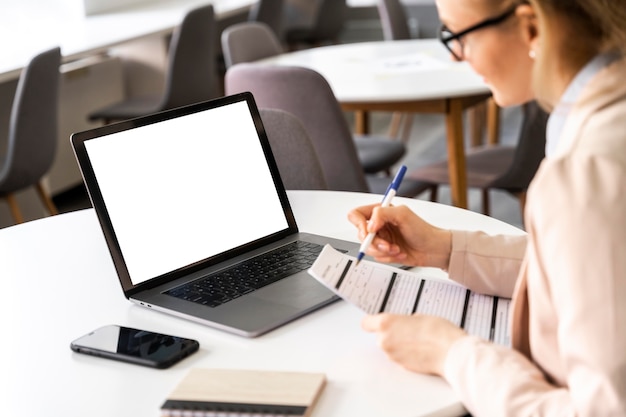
136,346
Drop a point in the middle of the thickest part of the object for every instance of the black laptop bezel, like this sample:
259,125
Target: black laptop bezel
78,144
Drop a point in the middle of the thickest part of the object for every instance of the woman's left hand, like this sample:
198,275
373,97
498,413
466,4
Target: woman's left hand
419,343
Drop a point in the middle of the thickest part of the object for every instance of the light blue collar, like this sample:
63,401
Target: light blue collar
558,116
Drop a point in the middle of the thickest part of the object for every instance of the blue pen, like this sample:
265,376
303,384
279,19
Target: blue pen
389,194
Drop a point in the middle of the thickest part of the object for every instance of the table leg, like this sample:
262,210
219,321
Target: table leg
493,122
456,153
361,122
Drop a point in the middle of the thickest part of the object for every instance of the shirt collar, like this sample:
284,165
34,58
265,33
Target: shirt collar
559,114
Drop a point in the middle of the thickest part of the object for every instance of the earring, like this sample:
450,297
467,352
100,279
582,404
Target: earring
532,54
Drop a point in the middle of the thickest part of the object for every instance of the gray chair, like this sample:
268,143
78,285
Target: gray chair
394,20
249,41
33,130
191,75
503,167
307,95
269,12
327,24
293,151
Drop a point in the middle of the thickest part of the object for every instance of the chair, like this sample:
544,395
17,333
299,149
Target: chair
269,12
327,25
249,41
307,95
508,168
191,74
33,129
293,151
394,20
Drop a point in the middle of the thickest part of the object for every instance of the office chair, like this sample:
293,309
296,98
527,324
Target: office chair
249,41
191,74
33,130
328,23
508,168
269,12
394,20
307,95
293,151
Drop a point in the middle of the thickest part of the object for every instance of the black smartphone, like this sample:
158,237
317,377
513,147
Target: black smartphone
135,346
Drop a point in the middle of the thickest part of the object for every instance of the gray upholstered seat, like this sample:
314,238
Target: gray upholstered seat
33,129
191,75
306,94
293,151
327,24
249,41
509,168
269,12
393,19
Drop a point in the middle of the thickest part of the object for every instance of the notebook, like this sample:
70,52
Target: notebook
191,192
243,392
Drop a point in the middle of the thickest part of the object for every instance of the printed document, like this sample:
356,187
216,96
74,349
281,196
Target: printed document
377,288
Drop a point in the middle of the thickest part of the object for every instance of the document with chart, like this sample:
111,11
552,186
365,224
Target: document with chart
377,288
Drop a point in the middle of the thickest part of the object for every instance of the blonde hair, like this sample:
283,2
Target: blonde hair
604,20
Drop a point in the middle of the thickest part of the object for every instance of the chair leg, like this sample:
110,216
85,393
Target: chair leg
485,197
45,198
15,209
406,129
433,193
394,125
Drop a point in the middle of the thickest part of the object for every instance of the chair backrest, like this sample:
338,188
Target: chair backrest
293,150
32,139
393,19
249,41
307,95
269,12
529,152
329,20
192,69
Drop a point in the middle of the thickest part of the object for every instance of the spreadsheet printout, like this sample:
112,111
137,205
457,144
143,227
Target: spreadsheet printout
377,288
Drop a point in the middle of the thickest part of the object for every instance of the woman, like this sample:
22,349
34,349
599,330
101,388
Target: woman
568,277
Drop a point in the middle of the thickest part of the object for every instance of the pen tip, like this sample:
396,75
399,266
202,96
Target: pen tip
358,258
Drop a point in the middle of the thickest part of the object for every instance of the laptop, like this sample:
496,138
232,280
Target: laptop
188,200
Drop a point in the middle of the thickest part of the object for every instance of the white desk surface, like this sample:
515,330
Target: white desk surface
62,284
28,27
382,71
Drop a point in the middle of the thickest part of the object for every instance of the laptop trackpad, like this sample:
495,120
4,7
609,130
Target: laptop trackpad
301,290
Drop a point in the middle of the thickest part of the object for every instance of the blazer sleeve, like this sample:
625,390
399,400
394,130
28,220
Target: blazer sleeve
487,264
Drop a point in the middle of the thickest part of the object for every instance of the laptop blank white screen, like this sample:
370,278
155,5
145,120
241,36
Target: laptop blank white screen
185,189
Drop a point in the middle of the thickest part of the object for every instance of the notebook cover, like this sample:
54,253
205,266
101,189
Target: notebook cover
246,392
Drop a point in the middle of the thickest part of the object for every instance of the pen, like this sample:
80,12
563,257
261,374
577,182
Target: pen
389,194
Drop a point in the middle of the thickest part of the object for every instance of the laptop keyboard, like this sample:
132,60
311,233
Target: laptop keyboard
228,284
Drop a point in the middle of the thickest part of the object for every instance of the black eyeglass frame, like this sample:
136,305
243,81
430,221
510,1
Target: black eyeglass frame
492,21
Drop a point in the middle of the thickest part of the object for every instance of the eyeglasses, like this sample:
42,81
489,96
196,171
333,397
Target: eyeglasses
452,41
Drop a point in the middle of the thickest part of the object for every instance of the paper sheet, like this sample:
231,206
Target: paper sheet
377,288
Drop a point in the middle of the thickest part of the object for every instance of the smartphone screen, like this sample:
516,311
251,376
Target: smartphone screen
136,346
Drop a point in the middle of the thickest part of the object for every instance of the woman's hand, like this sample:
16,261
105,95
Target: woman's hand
419,343
402,236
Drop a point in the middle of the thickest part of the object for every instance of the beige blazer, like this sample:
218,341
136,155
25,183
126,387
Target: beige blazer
568,316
